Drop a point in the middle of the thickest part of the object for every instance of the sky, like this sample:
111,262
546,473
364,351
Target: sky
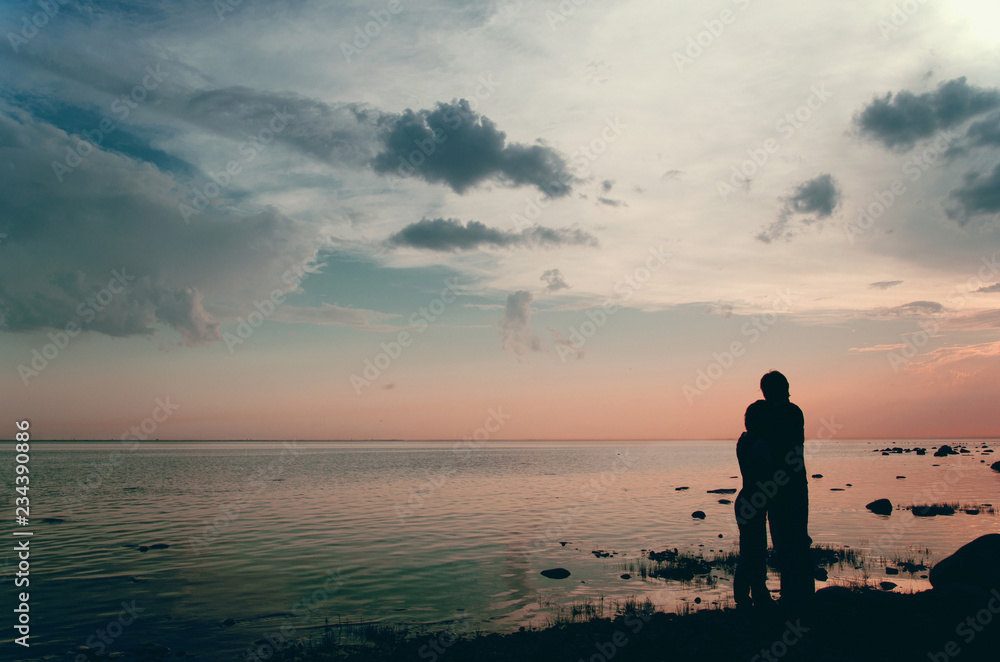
498,219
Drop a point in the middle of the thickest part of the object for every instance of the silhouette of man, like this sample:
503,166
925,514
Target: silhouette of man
756,466
782,424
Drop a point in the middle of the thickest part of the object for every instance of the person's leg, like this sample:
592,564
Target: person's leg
789,519
751,570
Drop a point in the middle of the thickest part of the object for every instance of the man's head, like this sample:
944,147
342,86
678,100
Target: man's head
774,386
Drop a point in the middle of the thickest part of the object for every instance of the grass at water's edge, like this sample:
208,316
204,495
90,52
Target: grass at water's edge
843,623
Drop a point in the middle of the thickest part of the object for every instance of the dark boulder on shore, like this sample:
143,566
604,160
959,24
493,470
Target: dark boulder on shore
933,510
555,573
945,450
995,466
698,514
880,507
972,568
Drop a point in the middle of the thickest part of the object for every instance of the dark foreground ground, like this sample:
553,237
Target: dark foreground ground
842,625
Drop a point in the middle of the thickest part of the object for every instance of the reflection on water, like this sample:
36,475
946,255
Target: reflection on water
280,538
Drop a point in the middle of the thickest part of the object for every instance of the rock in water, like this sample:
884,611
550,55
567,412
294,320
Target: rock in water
698,514
555,573
887,586
817,475
995,466
880,507
972,567
723,490
944,450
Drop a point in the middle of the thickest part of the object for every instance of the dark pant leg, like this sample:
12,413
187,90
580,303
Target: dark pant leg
789,519
751,570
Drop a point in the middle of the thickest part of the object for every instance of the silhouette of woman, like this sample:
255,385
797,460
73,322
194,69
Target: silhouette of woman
756,466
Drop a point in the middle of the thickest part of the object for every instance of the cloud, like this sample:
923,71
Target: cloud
990,288
911,309
878,348
331,314
978,196
946,355
611,202
564,347
448,234
515,325
457,146
900,121
819,196
985,320
115,215
722,308
554,280
884,284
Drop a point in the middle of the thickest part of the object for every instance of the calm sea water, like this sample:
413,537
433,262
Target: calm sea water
416,533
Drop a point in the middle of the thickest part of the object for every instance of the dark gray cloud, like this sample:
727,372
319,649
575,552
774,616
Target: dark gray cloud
554,280
990,288
114,254
449,234
899,121
515,325
611,202
454,145
816,199
977,197
336,133
884,284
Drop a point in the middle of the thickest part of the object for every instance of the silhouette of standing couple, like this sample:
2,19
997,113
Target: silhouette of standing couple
775,491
